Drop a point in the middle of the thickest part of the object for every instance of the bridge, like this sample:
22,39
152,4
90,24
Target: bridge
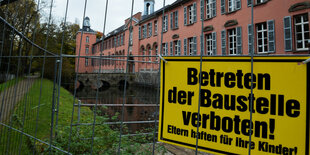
117,79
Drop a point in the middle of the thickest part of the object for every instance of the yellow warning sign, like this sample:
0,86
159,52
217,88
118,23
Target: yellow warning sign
280,109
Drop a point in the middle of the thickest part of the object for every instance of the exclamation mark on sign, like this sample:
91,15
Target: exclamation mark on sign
271,127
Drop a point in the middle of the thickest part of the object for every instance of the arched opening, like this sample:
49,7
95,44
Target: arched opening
155,51
148,8
131,64
79,85
121,84
105,85
148,52
142,53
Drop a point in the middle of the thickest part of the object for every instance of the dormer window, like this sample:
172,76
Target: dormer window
148,7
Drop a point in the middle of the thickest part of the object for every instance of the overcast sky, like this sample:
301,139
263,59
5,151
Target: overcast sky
118,11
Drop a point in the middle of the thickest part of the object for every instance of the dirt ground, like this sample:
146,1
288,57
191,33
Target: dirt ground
10,96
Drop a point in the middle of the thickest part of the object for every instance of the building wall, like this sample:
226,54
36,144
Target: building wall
271,13
81,45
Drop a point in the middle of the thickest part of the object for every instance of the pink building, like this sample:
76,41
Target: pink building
84,47
281,27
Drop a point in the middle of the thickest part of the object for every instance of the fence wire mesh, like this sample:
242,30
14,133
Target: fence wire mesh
34,109
50,103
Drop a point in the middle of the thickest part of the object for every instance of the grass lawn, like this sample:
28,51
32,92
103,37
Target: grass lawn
29,107
25,118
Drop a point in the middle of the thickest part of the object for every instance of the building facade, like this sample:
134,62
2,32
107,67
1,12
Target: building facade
281,27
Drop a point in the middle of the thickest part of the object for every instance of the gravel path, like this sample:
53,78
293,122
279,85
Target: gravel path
11,96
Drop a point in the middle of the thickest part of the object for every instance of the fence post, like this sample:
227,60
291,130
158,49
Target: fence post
53,107
78,117
58,91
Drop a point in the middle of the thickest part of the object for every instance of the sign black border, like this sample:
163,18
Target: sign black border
237,60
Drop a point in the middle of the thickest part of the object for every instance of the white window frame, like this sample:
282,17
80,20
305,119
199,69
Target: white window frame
209,9
302,23
232,5
264,37
165,22
232,41
191,45
176,47
209,44
260,1
130,38
191,14
165,49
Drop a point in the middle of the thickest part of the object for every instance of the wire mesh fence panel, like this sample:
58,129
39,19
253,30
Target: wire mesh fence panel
69,89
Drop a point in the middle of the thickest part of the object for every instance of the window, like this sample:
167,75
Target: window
177,47
150,53
210,42
260,1
190,14
87,39
118,40
301,31
122,39
256,2
174,20
156,52
130,38
209,8
264,37
165,48
86,49
165,23
114,43
86,61
230,5
150,29
144,31
139,32
92,62
234,41
155,27
190,46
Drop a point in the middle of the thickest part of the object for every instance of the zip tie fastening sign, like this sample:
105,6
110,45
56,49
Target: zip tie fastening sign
162,58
